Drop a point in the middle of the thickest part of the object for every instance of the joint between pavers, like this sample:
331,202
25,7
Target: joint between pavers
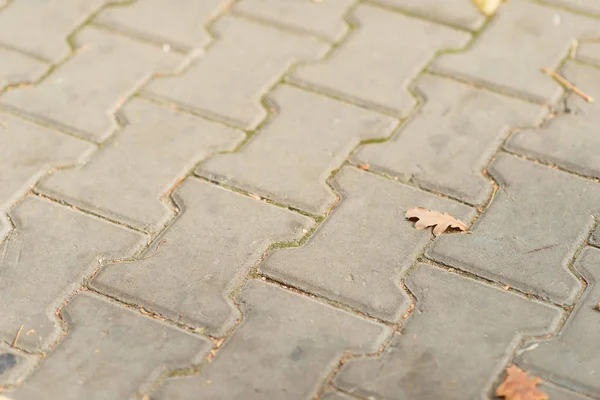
564,7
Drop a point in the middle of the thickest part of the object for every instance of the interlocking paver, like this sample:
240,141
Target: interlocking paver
44,259
17,68
158,146
110,352
376,63
323,18
241,66
83,94
456,12
558,393
444,350
182,22
336,395
358,254
567,359
309,137
529,234
217,238
451,139
41,27
591,7
28,152
14,365
539,35
569,140
300,342
589,52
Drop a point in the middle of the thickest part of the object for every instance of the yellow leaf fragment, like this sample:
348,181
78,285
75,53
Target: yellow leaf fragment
441,221
487,7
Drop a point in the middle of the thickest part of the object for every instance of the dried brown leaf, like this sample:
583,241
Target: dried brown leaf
364,166
597,306
519,386
441,221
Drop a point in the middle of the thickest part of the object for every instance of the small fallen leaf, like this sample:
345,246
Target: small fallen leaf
255,196
519,386
441,221
597,306
487,7
364,166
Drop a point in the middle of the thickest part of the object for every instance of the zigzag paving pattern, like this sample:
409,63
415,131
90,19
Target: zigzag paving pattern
206,199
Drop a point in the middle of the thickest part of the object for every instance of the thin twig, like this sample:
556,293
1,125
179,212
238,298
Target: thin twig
567,84
14,343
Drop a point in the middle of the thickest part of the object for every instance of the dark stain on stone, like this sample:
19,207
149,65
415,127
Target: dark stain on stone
7,361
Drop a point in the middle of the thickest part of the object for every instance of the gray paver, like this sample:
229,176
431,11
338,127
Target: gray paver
589,52
14,364
182,22
569,359
456,12
450,140
322,18
28,152
46,24
40,267
297,349
444,350
140,163
586,6
558,393
570,140
217,238
521,239
540,35
309,137
110,353
83,94
377,62
336,395
241,66
17,68
358,254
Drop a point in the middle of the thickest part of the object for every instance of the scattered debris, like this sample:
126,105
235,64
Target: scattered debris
14,343
30,332
427,218
597,306
255,196
519,386
364,166
487,7
567,84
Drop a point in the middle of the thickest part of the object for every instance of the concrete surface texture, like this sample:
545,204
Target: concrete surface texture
205,199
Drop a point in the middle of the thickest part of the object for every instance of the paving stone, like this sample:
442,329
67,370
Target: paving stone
28,152
557,393
456,12
217,238
375,64
567,359
178,23
336,395
41,266
110,352
589,52
83,94
445,351
322,18
531,231
571,139
17,68
587,6
47,25
451,139
540,35
359,253
14,365
309,137
158,146
301,342
241,66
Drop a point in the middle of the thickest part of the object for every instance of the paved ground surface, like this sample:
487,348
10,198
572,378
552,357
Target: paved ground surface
184,215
